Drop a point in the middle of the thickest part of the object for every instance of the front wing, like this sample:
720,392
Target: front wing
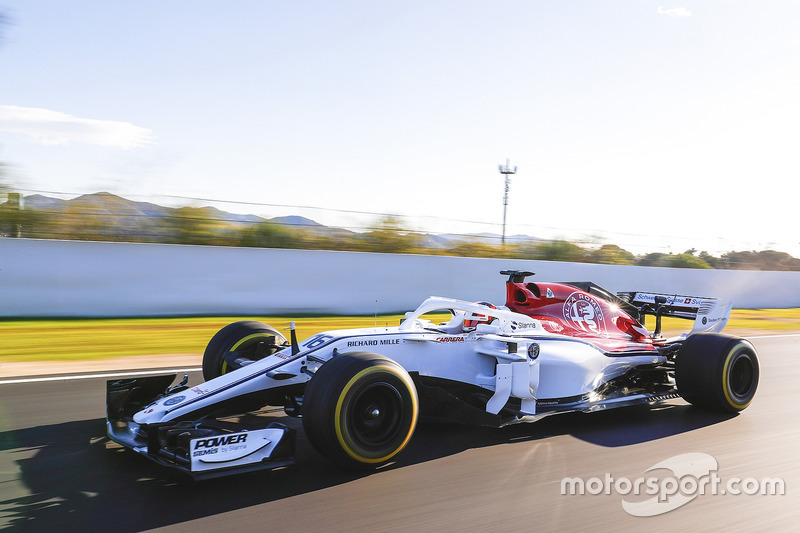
204,448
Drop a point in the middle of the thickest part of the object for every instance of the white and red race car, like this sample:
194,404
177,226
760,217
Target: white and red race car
552,348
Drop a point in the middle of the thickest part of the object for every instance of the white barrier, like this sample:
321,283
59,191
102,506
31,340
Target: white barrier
40,278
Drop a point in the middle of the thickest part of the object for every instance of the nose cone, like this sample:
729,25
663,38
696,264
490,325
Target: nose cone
155,411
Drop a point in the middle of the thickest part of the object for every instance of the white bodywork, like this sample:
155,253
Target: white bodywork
513,357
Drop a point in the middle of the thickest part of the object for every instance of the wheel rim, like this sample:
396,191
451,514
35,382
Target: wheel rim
376,415
741,377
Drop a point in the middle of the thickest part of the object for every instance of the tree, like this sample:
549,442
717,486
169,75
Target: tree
712,261
611,254
269,235
476,248
11,216
651,259
673,261
389,236
560,251
193,225
764,260
10,219
684,261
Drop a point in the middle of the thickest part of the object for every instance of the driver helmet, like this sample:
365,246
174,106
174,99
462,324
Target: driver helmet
474,318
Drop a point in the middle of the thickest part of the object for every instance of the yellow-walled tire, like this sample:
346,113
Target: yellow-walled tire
250,340
360,409
717,372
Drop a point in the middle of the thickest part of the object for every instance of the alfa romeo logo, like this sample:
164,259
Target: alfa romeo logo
583,312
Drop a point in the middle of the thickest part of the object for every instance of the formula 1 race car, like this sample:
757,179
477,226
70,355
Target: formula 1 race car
552,348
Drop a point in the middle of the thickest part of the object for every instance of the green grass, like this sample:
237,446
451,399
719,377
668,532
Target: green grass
84,339
764,320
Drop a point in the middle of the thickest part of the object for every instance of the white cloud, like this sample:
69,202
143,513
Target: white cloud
55,128
674,11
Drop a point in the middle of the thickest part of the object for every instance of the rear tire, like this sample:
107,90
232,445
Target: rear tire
360,409
249,339
717,372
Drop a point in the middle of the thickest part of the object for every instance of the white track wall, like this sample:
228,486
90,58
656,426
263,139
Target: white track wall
40,278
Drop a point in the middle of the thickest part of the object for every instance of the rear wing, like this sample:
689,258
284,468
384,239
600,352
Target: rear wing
709,314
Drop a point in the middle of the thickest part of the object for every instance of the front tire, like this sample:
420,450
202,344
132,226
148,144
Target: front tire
717,372
246,341
360,409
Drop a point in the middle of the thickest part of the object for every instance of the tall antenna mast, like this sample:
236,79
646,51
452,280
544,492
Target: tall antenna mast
506,172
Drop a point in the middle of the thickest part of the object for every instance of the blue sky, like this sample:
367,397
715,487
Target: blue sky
657,126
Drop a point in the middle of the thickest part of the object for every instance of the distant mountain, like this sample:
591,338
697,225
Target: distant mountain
127,217
37,201
121,216
102,202
107,203
218,214
296,221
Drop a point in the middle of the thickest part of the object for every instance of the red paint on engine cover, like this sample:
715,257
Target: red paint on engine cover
568,310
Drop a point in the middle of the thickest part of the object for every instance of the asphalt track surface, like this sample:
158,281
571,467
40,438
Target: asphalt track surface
59,472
